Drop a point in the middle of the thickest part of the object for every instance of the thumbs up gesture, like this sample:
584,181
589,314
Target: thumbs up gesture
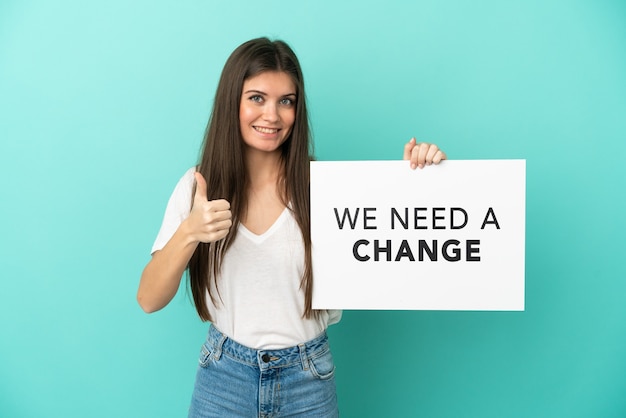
209,220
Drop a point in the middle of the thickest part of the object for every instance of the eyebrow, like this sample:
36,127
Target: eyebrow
265,94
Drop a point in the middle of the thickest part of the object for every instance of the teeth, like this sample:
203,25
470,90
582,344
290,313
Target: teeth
266,130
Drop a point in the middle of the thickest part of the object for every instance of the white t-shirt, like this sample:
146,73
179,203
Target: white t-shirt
260,303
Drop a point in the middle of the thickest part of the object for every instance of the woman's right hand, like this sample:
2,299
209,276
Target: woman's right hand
209,220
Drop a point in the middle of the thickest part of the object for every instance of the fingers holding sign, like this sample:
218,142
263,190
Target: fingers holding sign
209,220
422,154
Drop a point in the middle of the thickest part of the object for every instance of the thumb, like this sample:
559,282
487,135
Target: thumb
408,147
200,187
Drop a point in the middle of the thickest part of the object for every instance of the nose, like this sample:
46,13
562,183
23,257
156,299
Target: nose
270,113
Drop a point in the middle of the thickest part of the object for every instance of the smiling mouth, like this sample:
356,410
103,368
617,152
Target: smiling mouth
265,130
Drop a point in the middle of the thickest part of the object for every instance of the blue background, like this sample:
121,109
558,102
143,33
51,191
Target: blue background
103,105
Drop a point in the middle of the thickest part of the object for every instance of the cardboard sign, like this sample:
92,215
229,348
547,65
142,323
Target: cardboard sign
447,237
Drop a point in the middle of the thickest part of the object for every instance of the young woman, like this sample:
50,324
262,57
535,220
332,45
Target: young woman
239,222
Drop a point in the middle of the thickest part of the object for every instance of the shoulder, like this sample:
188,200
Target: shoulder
181,196
177,209
186,182
188,177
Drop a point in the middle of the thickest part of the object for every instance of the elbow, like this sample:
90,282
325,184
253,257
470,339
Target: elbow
145,295
146,306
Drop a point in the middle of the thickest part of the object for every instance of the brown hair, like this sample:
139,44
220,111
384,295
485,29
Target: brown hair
223,166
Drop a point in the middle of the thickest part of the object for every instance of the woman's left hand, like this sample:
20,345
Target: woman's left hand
422,154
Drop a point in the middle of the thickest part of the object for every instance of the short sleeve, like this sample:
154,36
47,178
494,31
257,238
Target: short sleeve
334,316
177,209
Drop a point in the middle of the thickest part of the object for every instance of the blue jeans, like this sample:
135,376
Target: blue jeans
237,381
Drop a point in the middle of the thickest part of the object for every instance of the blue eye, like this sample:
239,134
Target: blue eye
286,102
257,98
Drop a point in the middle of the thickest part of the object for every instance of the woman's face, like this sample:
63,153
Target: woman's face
267,110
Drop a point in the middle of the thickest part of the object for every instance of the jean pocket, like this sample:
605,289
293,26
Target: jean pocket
322,365
206,355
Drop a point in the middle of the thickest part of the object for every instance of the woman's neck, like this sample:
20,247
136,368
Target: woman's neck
265,201
264,168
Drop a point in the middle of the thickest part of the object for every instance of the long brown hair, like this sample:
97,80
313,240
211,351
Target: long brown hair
223,166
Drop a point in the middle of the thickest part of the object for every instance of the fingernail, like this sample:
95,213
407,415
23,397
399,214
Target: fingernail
413,166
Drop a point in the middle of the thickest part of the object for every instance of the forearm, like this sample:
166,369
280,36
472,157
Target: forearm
161,276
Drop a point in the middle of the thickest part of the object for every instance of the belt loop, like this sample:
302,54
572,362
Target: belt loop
303,357
218,346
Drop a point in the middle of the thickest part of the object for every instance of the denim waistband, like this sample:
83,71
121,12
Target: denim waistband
266,359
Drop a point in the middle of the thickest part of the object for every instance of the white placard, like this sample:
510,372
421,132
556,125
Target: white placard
447,237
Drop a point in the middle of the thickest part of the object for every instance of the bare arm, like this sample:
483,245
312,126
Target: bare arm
208,221
161,276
